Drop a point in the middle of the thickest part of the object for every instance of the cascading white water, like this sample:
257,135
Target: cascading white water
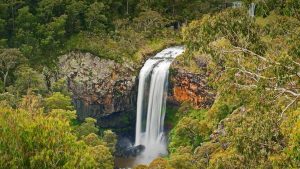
144,73
151,104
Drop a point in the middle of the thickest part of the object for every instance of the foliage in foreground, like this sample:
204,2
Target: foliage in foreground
34,138
254,66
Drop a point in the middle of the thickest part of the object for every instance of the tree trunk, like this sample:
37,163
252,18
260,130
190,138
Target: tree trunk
173,10
4,81
127,7
48,81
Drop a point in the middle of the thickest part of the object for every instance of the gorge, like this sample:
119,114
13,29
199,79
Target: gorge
108,91
144,84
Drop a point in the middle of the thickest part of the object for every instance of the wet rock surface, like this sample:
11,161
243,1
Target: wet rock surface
124,148
132,151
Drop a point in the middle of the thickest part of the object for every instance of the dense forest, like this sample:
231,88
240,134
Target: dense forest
253,65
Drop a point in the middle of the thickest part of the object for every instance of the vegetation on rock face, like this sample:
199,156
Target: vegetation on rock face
253,64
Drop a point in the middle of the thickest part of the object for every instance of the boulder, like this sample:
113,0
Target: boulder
124,148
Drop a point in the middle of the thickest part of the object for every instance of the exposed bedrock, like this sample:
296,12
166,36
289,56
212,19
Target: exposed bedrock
107,90
188,86
101,88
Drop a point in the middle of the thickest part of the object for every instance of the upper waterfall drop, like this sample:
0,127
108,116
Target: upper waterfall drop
151,103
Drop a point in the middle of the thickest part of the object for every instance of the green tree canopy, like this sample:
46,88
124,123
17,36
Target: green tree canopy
41,141
58,101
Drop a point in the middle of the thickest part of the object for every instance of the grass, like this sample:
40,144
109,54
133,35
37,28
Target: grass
119,49
189,65
98,45
153,46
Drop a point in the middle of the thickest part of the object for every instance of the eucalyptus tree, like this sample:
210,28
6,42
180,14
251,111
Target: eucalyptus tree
10,59
255,63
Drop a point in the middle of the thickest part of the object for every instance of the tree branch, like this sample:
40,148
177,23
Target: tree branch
289,105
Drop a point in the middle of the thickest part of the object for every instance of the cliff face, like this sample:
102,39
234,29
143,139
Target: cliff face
190,86
100,87
107,91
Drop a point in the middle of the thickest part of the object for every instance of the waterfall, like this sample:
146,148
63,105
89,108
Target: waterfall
252,9
151,103
144,73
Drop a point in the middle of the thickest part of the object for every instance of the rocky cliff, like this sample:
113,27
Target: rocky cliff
107,90
190,86
100,87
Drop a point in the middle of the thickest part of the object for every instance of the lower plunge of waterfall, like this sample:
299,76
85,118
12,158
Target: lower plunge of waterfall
151,106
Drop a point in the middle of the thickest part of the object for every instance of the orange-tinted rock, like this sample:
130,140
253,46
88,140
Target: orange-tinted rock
191,87
181,94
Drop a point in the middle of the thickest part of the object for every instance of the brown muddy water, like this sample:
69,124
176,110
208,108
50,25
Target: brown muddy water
125,163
